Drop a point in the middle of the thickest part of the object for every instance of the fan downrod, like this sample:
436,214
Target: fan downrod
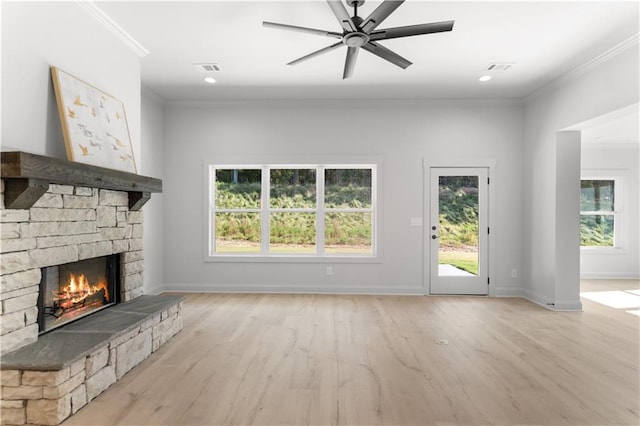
355,4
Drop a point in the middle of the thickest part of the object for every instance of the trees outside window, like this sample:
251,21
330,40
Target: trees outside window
298,210
599,212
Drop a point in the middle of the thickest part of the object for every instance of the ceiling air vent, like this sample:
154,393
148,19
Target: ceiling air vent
207,67
499,66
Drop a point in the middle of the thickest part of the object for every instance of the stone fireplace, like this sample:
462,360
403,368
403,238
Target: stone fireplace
67,224
75,221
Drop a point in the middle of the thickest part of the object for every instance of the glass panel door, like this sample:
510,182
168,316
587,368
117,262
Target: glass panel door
458,231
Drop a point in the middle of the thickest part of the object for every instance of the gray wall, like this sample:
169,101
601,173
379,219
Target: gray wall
401,133
38,35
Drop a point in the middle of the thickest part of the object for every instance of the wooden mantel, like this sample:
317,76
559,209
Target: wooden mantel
27,177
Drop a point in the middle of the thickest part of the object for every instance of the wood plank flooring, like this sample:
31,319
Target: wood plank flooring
247,359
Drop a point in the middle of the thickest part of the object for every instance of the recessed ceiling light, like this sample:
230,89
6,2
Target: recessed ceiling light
210,80
485,78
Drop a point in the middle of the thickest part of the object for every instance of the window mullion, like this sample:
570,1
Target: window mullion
320,238
265,213
212,210
374,209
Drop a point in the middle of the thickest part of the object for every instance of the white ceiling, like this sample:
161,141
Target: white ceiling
544,40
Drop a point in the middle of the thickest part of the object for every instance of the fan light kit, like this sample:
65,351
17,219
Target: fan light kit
361,33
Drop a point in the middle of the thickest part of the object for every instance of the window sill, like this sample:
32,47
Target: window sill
602,251
291,259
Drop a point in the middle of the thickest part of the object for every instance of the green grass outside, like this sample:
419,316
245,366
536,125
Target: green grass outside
465,260
249,248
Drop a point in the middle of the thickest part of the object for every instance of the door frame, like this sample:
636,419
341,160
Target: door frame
427,164
477,284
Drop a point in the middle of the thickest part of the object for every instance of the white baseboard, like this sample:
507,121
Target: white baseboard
553,305
257,288
571,305
609,276
568,305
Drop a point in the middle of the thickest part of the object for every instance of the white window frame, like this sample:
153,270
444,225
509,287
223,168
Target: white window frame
617,213
373,163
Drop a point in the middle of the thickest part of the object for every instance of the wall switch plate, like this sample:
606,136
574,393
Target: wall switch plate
329,270
416,221
514,273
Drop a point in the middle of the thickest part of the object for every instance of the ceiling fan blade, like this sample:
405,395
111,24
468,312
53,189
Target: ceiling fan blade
411,30
386,54
301,29
350,62
316,53
380,14
343,16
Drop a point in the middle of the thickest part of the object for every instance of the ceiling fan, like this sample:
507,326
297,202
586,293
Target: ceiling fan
361,33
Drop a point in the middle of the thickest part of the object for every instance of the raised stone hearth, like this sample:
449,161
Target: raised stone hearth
49,380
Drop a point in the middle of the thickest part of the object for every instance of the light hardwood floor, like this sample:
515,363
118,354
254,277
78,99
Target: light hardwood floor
247,359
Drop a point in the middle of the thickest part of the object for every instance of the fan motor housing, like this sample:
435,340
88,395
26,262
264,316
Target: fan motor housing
355,39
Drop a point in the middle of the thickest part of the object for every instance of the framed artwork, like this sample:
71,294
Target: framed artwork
94,124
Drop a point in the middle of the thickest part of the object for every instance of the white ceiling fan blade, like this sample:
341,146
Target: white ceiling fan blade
411,30
300,29
386,54
341,13
350,62
316,53
380,14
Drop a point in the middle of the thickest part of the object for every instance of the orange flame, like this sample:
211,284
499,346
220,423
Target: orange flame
78,288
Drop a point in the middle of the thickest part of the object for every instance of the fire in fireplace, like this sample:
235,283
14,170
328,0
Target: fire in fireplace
71,291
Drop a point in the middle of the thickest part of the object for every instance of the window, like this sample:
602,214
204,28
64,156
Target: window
599,212
292,210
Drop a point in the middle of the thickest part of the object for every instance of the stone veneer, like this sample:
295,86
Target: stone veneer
65,225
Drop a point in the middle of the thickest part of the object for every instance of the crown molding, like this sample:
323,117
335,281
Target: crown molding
106,21
603,57
607,55
382,103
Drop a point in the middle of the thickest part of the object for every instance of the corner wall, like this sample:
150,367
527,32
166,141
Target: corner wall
152,135
604,87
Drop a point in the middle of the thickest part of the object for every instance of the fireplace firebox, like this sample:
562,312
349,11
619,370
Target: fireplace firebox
74,290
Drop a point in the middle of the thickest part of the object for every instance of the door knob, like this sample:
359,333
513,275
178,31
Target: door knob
433,237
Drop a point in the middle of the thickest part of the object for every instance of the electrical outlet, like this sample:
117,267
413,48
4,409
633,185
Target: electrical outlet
329,270
514,273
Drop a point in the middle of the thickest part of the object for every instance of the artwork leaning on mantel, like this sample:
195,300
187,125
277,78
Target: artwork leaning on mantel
94,124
